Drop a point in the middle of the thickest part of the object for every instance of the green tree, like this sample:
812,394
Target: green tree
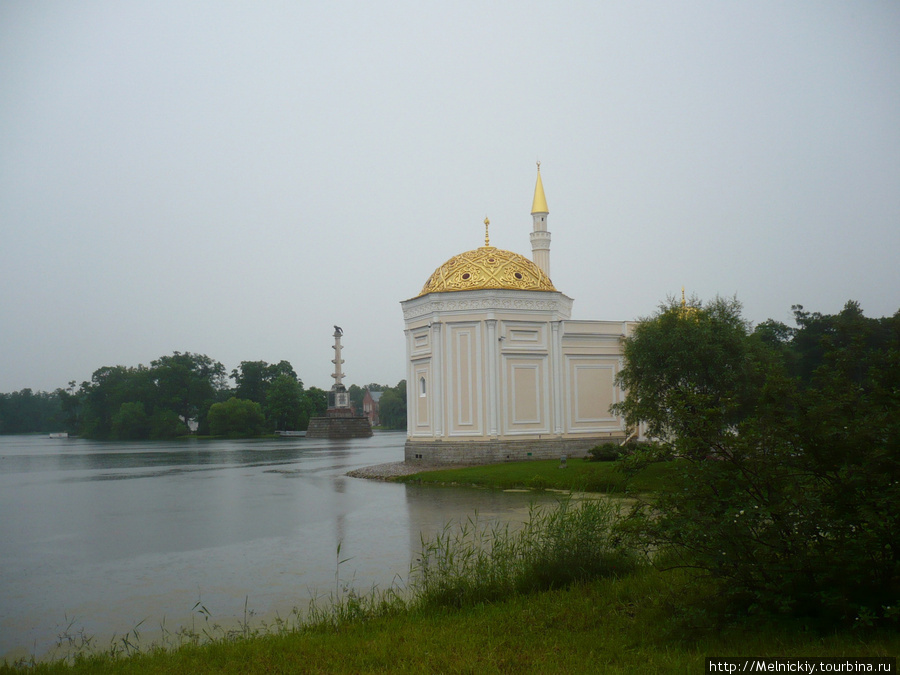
253,378
284,403
315,403
690,369
26,411
70,402
188,384
131,422
101,398
356,394
165,424
789,455
392,407
236,418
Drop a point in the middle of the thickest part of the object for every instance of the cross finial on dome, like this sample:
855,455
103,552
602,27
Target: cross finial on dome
487,239
686,309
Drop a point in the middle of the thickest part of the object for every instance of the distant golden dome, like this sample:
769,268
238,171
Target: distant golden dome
487,268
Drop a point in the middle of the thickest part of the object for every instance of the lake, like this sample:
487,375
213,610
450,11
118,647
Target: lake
100,536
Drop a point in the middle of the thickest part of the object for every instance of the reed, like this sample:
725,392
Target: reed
474,562
344,604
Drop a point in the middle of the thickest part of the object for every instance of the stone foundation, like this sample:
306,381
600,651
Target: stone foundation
339,427
494,452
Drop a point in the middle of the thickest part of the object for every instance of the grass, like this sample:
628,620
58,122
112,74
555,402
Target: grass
578,475
619,625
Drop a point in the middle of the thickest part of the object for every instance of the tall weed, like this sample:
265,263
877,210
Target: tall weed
473,562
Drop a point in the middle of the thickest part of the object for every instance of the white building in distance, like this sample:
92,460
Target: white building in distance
496,369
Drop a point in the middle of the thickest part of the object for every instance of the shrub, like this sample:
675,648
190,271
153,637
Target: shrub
605,452
610,452
166,424
131,422
236,418
789,476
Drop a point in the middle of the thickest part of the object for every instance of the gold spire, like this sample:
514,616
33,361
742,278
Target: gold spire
487,239
539,205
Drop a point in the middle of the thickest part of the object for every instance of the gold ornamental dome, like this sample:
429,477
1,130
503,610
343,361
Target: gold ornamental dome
487,267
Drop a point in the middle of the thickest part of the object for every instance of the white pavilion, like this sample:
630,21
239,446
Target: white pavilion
496,369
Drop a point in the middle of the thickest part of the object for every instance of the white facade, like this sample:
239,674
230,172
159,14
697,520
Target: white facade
509,364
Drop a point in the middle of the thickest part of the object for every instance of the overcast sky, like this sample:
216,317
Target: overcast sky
234,179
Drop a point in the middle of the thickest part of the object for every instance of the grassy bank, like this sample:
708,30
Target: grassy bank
578,475
628,625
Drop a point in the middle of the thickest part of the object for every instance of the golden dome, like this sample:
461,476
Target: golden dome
487,268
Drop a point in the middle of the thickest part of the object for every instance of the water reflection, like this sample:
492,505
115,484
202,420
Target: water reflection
116,533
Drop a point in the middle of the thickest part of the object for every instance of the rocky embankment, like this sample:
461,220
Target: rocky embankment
385,471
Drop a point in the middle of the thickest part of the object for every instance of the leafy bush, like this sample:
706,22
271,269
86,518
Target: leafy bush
131,422
605,452
236,418
166,424
790,448
611,452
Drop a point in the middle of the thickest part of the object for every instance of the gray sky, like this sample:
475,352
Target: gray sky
235,178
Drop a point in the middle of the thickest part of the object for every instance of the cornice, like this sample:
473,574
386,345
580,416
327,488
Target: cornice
488,300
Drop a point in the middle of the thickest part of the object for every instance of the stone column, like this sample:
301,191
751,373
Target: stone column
337,361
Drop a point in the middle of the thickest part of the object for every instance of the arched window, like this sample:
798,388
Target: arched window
422,389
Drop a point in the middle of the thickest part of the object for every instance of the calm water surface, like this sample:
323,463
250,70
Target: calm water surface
112,534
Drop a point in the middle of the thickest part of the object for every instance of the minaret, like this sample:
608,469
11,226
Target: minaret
540,237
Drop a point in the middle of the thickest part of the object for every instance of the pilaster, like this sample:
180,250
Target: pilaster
493,391
437,376
556,383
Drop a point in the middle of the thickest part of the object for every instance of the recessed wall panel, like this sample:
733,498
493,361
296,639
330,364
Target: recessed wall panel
421,397
465,385
464,378
591,390
420,343
525,395
524,336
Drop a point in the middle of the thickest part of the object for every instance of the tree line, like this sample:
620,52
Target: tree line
786,445
174,396
27,411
